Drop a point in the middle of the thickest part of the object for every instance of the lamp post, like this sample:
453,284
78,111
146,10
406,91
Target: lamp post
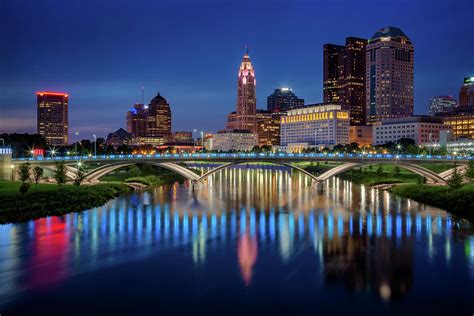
12,167
194,141
77,133
95,145
202,142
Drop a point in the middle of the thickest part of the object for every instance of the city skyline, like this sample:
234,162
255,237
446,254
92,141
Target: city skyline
110,92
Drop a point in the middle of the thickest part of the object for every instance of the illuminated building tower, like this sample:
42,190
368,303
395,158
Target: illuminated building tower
344,77
52,117
466,94
246,98
331,56
159,119
389,75
282,100
137,120
442,104
268,128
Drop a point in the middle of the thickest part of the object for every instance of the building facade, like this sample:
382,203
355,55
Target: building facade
235,140
268,128
442,104
282,100
462,124
344,77
118,138
137,120
159,119
421,129
389,75
315,125
245,116
360,134
53,117
183,137
466,94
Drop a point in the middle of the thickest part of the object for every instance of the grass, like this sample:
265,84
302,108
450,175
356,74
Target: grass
459,202
50,200
436,167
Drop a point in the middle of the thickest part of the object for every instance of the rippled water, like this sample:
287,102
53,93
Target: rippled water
248,241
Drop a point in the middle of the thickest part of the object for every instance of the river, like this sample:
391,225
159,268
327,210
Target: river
248,241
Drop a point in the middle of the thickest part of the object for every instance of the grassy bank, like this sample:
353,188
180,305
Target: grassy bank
49,200
380,174
459,202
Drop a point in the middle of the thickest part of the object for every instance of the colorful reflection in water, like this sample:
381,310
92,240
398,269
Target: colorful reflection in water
262,231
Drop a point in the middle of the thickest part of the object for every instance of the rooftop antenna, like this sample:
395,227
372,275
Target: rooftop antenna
246,50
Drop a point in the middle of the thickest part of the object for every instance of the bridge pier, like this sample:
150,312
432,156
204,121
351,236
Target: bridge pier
7,170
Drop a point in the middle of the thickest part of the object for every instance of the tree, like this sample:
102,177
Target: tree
455,182
469,174
397,170
80,175
24,175
37,174
134,171
380,170
59,173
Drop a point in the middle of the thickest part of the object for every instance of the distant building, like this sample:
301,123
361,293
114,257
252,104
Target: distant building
149,140
442,104
389,75
462,146
462,124
421,129
344,77
268,128
282,100
137,120
466,94
360,134
244,118
53,117
118,138
159,118
235,140
315,125
182,137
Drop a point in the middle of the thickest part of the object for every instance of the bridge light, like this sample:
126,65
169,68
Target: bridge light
12,166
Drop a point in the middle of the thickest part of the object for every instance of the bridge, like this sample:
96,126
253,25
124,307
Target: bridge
177,163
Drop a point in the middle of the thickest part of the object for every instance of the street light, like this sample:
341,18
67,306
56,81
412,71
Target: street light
77,133
95,145
202,142
12,167
194,141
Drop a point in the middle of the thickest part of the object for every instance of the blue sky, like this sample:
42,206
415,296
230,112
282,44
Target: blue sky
102,52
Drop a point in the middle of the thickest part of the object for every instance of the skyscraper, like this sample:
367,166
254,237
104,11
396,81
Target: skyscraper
52,117
331,56
245,118
344,77
466,94
159,118
442,104
137,120
389,75
282,100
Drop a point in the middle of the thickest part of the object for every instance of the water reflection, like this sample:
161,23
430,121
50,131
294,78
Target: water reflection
355,237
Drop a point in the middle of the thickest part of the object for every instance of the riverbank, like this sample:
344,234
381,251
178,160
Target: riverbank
459,202
49,200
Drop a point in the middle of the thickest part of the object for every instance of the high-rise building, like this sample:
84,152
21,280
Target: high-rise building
389,75
235,140
466,94
344,77
282,100
245,118
331,56
268,128
159,119
137,120
52,117
442,104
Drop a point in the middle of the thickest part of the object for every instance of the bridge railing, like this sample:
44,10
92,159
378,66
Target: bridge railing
249,156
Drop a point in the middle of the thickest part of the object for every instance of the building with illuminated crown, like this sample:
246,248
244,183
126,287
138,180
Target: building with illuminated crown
282,100
315,125
389,75
245,116
53,117
159,119
137,120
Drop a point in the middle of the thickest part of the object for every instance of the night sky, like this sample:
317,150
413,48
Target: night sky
102,52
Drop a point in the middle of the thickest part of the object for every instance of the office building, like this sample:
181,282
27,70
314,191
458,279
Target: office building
118,138
360,134
183,137
137,120
315,125
462,124
244,118
234,140
389,75
442,104
282,100
344,77
52,117
268,128
159,119
421,129
466,94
